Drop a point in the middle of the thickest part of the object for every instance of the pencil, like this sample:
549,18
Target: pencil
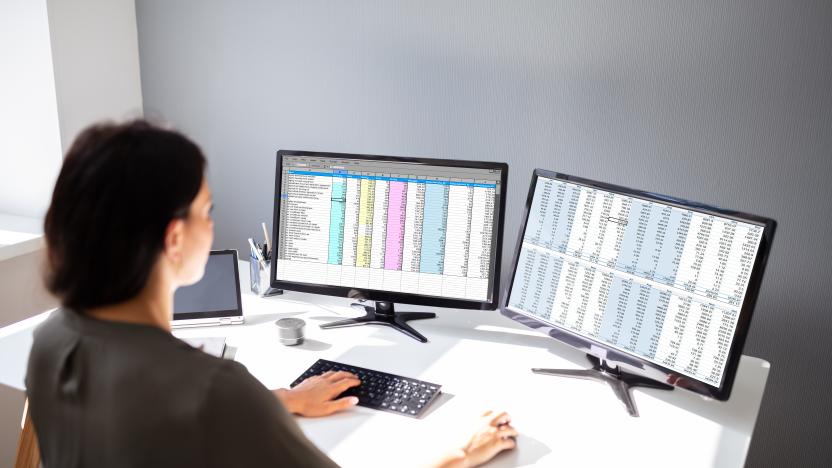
266,233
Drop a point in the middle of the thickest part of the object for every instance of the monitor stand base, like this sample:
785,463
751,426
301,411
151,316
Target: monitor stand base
384,314
620,381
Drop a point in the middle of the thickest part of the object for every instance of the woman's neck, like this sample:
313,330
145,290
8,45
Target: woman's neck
152,306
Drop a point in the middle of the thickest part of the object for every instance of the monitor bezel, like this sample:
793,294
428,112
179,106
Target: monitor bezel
633,362
390,296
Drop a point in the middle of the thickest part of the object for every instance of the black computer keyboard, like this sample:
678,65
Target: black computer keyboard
380,390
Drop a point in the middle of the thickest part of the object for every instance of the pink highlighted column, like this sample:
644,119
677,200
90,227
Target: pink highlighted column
396,204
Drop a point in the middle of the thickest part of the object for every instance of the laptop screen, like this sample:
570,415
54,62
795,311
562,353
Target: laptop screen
217,294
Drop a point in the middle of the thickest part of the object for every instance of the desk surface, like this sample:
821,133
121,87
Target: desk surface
19,235
483,361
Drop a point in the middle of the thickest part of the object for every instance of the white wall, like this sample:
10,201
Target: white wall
96,60
30,157
63,65
30,146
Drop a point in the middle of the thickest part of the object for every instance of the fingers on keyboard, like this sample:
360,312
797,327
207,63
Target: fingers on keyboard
500,418
341,375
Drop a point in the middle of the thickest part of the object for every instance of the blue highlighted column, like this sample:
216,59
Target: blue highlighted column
655,235
651,331
566,200
522,279
336,220
552,277
631,245
619,306
633,323
434,226
677,233
538,212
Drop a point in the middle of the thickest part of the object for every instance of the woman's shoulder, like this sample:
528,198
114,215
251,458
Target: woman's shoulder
134,348
53,334
123,349
229,376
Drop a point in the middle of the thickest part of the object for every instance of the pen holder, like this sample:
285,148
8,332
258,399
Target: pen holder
260,276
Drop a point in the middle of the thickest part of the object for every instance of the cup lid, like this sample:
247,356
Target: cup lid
290,323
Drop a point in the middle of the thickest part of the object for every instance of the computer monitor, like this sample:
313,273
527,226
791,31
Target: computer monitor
659,291
389,229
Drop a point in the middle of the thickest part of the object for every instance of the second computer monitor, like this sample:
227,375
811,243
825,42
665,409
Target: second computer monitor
663,285
410,230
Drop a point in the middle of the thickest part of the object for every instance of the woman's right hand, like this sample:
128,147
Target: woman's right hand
315,396
493,435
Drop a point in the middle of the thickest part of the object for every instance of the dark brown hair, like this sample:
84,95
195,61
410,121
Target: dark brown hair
118,189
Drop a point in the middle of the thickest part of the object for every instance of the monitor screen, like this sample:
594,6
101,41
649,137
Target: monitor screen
389,224
648,277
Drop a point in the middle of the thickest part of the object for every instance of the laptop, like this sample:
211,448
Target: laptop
213,300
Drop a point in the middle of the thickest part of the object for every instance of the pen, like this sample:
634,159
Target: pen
256,252
268,243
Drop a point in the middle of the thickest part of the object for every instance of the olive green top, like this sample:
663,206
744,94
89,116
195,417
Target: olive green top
113,394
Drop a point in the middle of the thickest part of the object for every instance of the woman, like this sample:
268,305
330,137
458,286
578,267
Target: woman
130,221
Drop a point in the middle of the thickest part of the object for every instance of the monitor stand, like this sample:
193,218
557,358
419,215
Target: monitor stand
620,381
384,314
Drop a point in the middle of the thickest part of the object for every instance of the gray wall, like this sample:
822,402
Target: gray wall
723,102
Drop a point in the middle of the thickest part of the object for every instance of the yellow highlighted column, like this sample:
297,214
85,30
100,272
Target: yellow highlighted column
366,201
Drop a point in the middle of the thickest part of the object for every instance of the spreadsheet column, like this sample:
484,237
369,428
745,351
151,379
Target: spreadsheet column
396,215
379,232
480,240
412,236
307,219
394,237
365,232
337,212
458,225
434,232
352,199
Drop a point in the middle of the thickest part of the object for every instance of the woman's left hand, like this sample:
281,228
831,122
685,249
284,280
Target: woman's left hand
314,396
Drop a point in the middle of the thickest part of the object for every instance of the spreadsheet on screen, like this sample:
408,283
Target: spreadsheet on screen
388,225
653,279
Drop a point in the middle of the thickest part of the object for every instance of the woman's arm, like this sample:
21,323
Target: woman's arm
245,426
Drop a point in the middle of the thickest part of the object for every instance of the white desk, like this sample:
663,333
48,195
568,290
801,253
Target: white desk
483,361
19,235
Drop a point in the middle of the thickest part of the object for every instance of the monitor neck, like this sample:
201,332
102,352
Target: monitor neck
385,308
